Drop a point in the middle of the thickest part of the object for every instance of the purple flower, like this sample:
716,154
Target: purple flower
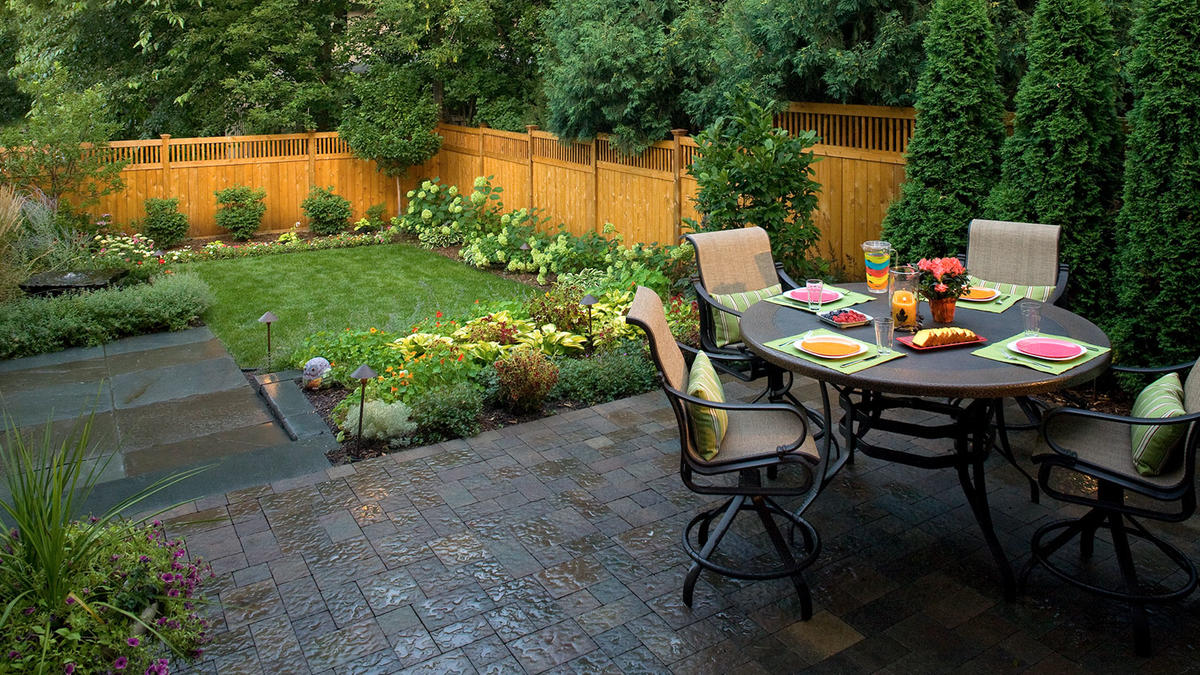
133,642
93,519
143,558
69,668
120,663
28,611
157,523
168,577
14,654
115,557
70,600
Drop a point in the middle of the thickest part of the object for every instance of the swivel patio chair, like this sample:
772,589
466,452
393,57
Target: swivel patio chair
735,270
1017,259
1101,446
759,438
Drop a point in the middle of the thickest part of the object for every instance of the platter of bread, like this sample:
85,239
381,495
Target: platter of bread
938,338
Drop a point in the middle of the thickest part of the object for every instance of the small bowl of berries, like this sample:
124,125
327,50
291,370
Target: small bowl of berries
844,318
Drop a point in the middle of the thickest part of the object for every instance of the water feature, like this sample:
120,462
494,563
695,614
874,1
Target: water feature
55,283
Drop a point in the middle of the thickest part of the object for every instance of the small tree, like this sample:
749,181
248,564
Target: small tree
391,119
1159,223
58,150
1061,163
164,223
953,155
750,172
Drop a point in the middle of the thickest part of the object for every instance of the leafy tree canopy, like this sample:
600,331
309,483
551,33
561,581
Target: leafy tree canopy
391,119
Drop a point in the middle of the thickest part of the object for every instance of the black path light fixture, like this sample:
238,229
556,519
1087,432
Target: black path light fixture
363,374
268,318
587,301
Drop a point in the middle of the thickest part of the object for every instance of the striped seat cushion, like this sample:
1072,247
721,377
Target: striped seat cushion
1041,293
708,424
1153,445
725,325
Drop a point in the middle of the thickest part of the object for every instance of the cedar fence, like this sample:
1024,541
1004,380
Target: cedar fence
582,185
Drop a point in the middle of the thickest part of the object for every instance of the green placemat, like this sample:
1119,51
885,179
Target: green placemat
848,365
848,299
999,351
996,306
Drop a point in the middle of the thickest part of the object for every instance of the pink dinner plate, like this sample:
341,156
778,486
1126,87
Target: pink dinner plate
801,294
1050,349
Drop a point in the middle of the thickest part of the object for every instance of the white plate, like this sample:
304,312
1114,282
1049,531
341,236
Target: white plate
827,295
1077,350
992,295
859,347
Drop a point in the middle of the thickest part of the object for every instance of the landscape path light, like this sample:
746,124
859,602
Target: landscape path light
268,318
587,301
363,374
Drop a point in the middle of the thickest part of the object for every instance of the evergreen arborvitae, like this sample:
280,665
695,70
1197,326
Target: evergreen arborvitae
1062,163
953,157
1158,228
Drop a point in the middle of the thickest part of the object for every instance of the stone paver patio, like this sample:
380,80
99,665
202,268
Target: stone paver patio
554,546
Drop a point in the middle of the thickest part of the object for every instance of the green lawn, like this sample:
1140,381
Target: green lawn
386,287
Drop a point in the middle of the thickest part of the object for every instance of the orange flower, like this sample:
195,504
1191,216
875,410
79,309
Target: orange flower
438,314
394,390
460,357
373,330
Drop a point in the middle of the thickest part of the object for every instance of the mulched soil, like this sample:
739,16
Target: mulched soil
325,400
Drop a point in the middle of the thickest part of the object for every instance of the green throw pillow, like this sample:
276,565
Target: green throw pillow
709,424
1153,444
725,325
1041,293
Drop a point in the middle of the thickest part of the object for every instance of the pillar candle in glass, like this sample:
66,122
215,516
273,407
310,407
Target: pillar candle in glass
903,293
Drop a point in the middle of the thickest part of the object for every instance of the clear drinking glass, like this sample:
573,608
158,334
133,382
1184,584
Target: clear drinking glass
816,288
1031,316
883,335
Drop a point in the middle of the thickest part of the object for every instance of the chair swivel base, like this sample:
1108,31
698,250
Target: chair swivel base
792,562
1084,528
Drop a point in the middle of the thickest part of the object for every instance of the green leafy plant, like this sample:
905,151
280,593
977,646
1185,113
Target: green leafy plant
54,564
448,411
391,118
1159,223
526,378
373,221
1061,164
441,216
385,421
327,212
240,210
37,325
163,222
605,376
560,306
953,157
751,173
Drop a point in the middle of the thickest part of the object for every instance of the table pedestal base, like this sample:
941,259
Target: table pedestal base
970,428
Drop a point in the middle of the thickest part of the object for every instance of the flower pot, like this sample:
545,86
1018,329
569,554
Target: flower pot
942,309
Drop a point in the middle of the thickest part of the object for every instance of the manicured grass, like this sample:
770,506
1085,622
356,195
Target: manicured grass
386,287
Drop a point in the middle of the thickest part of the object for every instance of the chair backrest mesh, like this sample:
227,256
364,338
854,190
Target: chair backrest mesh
734,261
647,313
1013,253
1191,389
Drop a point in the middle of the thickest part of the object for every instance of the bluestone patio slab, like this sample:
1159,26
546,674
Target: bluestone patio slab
140,388
200,449
180,419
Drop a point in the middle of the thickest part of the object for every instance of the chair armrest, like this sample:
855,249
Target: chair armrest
1060,285
737,406
1155,370
1049,418
713,356
708,299
784,280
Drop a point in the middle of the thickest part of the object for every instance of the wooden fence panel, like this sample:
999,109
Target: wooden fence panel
582,185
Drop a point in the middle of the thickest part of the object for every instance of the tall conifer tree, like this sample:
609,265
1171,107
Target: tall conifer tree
1158,228
953,157
1061,165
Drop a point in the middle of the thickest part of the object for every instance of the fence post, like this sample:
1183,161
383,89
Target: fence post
312,158
677,193
480,130
165,158
595,201
529,129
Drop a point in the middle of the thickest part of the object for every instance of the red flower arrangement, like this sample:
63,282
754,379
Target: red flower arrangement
942,278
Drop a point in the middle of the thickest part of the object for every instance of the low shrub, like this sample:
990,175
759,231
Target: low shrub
164,224
375,217
605,376
39,325
240,210
560,306
440,216
327,212
288,242
526,378
448,411
381,421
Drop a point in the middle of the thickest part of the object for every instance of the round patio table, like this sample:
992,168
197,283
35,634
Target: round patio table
971,389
